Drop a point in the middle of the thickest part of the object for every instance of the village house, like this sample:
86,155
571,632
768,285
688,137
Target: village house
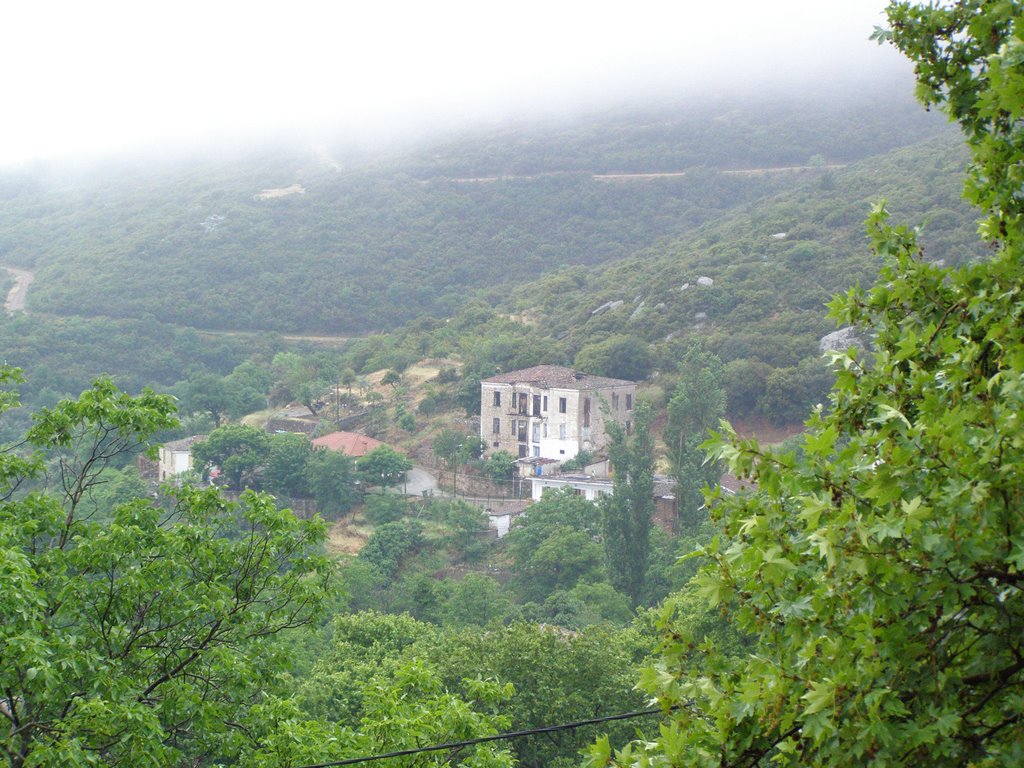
175,457
589,487
552,412
593,487
349,443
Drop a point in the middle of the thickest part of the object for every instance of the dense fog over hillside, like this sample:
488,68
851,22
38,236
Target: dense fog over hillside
129,78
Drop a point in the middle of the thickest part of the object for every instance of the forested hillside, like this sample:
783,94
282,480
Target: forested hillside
772,265
292,242
530,224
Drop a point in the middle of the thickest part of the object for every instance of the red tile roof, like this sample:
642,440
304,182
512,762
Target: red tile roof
349,443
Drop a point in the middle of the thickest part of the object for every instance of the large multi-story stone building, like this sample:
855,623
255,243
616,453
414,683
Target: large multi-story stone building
552,412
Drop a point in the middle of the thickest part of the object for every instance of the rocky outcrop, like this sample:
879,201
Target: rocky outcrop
609,305
841,340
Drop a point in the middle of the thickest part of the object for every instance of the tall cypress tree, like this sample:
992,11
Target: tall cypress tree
626,515
697,405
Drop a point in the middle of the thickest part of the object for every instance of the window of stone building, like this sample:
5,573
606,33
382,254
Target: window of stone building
497,399
561,405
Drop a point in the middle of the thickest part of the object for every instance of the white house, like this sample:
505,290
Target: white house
589,487
176,457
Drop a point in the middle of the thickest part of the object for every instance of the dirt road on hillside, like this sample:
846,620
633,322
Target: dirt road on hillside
15,301
606,177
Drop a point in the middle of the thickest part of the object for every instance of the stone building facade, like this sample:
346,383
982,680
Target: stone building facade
175,457
551,411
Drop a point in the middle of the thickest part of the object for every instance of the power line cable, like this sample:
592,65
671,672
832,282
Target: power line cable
497,737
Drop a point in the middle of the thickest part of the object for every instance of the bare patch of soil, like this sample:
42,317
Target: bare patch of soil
345,538
414,377
23,278
259,418
273,194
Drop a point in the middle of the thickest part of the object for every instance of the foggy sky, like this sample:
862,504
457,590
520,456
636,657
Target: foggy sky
108,77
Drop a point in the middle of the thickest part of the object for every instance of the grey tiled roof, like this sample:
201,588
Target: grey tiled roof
559,376
185,442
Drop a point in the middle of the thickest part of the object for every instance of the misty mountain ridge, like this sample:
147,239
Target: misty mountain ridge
389,238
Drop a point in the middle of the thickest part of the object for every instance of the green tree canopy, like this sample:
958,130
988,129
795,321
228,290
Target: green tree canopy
556,509
303,377
331,478
621,357
208,393
466,526
248,385
626,515
586,604
558,676
136,641
477,600
391,543
112,488
383,466
555,545
383,508
375,690
696,406
285,470
238,449
447,444
880,571
500,466
562,560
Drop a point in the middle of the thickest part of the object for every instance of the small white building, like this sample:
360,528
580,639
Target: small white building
588,486
176,457
500,523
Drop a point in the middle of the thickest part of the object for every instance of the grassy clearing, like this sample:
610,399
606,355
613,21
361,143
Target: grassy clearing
347,537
